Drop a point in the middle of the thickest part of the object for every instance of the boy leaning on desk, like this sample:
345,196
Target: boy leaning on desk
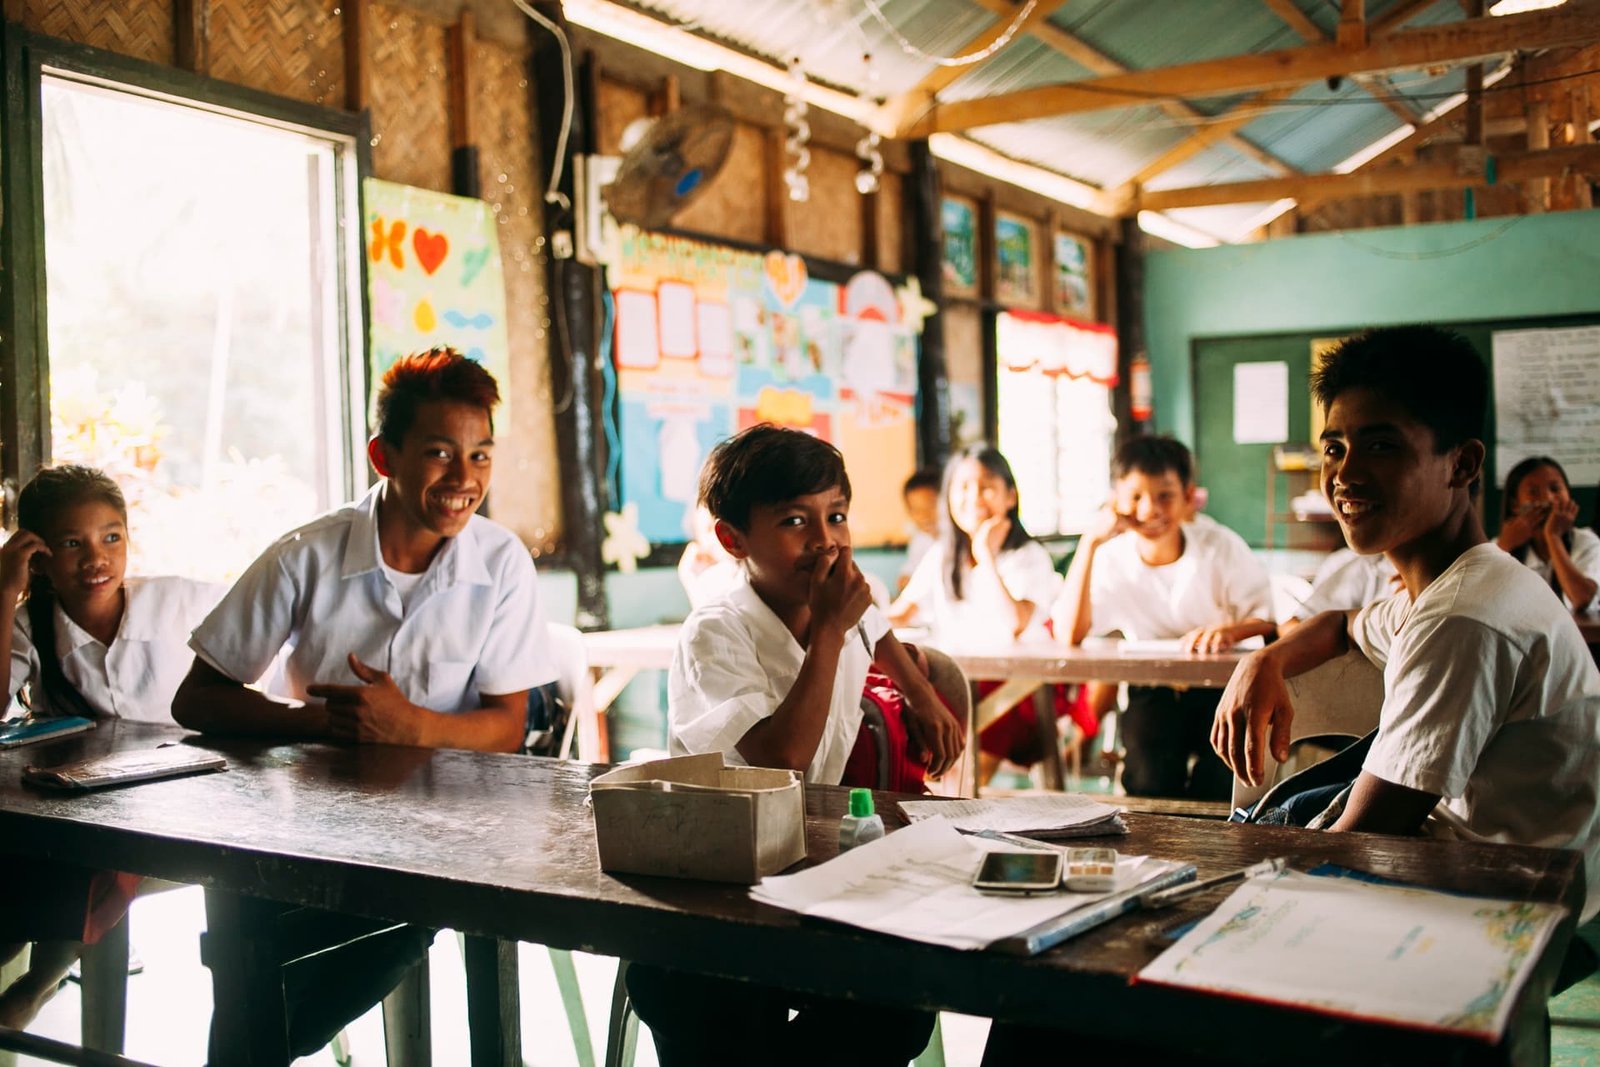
772,674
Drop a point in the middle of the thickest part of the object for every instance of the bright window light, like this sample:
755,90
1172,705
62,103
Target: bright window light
1516,7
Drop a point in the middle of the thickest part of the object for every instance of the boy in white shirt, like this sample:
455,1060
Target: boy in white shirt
771,675
409,619
1490,727
1144,571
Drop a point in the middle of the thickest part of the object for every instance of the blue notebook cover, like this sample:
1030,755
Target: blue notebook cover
33,729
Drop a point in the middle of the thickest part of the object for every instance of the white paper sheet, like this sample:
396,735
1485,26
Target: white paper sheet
1057,811
1261,403
1349,947
916,883
1547,399
1170,646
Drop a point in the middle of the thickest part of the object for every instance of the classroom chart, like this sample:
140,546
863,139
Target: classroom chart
711,339
1547,399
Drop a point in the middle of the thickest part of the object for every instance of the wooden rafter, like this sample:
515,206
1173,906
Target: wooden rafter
1091,58
1577,22
1398,15
1377,85
920,96
1449,174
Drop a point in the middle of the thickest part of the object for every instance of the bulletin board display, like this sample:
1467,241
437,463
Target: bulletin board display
711,339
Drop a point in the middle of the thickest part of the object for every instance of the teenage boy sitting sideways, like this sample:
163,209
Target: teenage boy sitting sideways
1143,570
409,619
1490,727
771,675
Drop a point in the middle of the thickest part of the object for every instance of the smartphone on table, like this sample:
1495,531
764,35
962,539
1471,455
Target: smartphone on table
1019,873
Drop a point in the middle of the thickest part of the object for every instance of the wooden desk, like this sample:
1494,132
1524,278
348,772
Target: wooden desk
502,846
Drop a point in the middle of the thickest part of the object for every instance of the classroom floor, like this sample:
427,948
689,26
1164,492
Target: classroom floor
166,932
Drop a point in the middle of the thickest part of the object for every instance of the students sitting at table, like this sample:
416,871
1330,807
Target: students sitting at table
1537,527
984,579
1142,570
772,675
87,641
408,618
1490,726
1346,580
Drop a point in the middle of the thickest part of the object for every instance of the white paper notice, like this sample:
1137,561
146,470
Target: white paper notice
1260,403
1345,946
1058,811
1547,399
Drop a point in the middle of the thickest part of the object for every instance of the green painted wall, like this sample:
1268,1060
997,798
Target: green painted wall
1533,266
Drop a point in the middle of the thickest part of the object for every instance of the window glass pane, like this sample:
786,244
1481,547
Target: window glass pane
194,331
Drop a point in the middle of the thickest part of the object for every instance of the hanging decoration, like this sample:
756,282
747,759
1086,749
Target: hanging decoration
868,151
797,136
1140,395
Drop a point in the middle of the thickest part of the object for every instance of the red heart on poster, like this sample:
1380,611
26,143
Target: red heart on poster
431,249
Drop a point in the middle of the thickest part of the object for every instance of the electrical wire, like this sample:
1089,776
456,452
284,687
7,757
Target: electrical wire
552,191
950,61
608,397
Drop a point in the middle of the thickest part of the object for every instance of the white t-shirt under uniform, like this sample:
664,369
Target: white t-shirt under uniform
137,676
1491,701
1216,580
1585,553
1028,574
470,626
735,663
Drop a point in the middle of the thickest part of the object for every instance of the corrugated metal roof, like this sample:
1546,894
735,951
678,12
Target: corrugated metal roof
1311,131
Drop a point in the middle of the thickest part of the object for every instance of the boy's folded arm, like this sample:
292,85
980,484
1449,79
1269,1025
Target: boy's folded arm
789,737
1378,806
211,702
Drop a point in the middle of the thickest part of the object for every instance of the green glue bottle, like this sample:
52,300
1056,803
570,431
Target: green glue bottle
862,824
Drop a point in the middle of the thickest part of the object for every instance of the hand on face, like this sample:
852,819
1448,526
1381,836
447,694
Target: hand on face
15,557
1108,522
1560,518
839,593
374,711
989,536
1520,528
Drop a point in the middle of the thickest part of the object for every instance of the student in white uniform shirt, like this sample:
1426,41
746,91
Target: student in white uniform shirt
1490,727
410,619
1144,571
1345,581
1537,527
87,641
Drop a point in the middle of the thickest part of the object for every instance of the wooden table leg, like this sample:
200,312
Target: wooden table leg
494,1013
104,1008
249,1022
407,1023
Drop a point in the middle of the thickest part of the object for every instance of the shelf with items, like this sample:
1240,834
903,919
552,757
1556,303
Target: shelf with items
1295,501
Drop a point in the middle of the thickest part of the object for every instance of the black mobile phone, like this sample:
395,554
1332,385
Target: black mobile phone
1019,872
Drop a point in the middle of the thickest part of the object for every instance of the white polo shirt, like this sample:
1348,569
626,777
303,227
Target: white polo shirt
735,663
1028,574
1585,555
136,677
471,625
1347,581
1216,580
1491,701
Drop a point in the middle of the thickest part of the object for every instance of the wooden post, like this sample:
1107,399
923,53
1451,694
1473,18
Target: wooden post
925,231
1582,191
1129,321
355,54
574,292
192,21
1047,262
776,200
1538,139
464,176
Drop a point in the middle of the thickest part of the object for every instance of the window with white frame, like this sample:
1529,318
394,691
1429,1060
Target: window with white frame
202,317
1053,405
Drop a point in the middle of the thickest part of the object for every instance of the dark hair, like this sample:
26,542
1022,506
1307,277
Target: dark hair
1433,373
767,464
1153,455
39,505
1508,501
926,478
437,374
957,544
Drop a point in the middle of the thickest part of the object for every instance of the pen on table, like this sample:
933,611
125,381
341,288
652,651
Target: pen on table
1178,894
1012,839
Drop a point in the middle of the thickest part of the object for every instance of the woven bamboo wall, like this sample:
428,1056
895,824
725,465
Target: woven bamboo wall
144,30
408,73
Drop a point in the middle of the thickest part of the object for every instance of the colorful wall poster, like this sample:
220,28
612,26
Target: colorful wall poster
433,278
710,340
1074,286
1016,281
958,219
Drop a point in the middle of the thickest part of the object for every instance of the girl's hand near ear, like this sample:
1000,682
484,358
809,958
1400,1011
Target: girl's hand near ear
988,538
15,556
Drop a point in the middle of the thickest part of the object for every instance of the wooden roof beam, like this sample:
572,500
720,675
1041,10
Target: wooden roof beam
1577,22
1376,85
917,99
1352,24
1449,174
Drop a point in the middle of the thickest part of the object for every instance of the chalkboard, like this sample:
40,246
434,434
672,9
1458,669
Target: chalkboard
1235,475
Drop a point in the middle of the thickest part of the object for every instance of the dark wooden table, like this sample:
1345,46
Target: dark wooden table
503,846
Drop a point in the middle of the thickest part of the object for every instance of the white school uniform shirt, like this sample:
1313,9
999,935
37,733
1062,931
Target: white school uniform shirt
1491,701
1216,580
1347,581
470,626
1028,574
137,676
1585,553
734,664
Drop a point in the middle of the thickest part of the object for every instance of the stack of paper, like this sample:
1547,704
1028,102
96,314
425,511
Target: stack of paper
1052,815
917,883
1347,947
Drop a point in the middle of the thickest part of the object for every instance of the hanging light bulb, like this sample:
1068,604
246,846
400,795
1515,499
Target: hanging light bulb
797,135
